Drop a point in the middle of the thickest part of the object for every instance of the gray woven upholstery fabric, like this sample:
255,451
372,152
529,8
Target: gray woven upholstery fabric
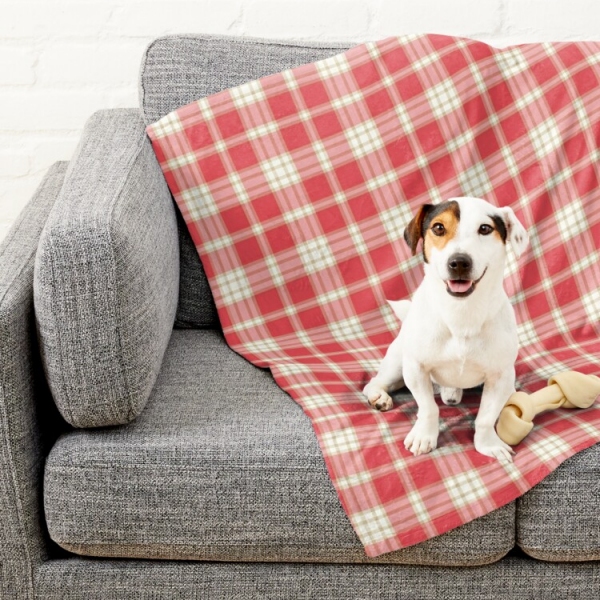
24,398
196,307
510,579
107,275
177,70
559,518
221,465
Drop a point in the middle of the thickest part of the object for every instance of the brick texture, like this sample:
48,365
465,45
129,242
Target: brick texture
62,59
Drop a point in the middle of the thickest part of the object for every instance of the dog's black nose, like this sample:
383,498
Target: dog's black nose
460,265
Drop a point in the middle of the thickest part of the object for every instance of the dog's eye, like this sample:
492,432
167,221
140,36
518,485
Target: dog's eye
438,229
485,229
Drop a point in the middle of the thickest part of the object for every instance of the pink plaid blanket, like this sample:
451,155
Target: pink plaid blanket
296,189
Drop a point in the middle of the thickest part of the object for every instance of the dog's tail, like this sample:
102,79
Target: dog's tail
400,308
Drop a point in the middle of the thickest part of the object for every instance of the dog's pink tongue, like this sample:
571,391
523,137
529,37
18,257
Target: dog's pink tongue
459,287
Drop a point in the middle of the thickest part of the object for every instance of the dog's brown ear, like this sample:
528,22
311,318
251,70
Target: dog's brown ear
414,230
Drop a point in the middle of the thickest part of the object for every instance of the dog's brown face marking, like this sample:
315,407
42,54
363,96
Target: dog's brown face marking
440,226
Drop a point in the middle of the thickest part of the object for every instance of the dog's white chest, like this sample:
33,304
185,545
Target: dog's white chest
460,363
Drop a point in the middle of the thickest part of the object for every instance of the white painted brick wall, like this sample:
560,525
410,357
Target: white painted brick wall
60,60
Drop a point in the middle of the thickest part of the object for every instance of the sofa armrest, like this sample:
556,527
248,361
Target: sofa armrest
25,403
106,279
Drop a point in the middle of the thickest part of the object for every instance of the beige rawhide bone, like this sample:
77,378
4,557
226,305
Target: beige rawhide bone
568,389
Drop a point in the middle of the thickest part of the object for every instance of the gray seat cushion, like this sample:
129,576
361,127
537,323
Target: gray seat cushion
179,69
221,465
106,278
559,519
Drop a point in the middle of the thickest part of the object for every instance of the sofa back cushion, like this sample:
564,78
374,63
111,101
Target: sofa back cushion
106,275
177,70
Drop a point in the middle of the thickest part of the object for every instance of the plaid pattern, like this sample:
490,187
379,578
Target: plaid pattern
296,189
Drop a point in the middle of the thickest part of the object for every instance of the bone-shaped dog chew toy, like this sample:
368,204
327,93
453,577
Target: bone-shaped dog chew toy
568,389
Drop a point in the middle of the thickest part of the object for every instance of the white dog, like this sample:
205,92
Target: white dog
459,331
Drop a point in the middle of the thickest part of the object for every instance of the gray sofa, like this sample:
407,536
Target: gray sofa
141,458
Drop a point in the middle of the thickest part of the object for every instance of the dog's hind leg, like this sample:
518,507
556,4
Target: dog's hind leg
388,378
451,396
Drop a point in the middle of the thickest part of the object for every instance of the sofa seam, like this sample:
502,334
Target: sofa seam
61,378
497,556
535,552
15,488
292,42
141,88
67,410
15,491
118,312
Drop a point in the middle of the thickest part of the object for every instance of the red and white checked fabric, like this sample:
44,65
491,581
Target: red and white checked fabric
296,189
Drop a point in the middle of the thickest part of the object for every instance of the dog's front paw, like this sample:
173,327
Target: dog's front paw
488,443
423,436
378,398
